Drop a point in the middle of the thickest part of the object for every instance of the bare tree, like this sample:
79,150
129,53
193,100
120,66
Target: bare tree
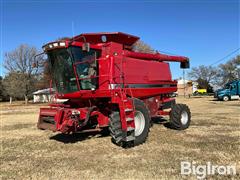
45,78
204,75
207,73
19,62
229,71
143,47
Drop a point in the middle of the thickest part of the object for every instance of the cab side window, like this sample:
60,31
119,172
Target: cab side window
233,86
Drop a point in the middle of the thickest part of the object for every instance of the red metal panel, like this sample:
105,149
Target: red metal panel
150,92
157,56
118,37
145,72
48,111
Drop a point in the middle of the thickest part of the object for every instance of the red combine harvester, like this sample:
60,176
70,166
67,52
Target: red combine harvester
110,87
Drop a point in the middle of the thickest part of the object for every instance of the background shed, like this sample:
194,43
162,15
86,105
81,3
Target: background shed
43,95
186,85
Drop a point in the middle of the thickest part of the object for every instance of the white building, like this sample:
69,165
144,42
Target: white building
43,95
186,87
46,95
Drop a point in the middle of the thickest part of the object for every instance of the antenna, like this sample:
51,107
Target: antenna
73,34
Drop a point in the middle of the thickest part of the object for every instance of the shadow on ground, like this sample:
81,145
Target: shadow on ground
213,100
162,121
159,120
75,137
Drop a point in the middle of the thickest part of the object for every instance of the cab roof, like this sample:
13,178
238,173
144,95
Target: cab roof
104,37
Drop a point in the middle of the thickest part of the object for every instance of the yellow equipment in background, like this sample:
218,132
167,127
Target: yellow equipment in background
200,92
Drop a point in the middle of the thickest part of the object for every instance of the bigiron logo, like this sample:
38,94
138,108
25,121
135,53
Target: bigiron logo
202,171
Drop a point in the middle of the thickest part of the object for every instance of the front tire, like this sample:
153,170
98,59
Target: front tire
142,125
180,117
141,121
225,98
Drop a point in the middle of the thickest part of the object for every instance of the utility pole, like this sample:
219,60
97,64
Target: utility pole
184,86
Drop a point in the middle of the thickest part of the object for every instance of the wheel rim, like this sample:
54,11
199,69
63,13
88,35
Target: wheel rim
184,117
139,121
225,98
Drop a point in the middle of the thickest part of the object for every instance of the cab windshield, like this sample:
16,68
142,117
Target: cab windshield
64,61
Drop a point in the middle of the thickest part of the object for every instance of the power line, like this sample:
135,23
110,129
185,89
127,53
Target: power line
225,57
165,52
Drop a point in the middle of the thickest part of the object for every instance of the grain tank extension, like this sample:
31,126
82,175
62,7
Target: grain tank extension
111,88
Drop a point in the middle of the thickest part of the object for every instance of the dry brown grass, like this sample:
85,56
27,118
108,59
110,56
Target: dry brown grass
30,153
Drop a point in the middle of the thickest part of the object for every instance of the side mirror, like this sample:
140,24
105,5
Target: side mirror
86,47
35,60
34,65
185,65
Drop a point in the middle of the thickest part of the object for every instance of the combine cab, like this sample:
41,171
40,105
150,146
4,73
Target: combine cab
109,86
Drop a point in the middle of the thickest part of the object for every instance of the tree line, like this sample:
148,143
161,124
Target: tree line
22,79
210,76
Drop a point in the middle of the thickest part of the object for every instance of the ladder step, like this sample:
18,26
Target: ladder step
118,139
130,138
128,110
130,129
129,119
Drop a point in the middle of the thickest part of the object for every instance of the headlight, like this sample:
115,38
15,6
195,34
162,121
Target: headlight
75,112
62,44
54,45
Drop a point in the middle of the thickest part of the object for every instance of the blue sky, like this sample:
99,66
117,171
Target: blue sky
205,31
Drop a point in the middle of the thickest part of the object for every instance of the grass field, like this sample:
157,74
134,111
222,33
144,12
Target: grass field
29,153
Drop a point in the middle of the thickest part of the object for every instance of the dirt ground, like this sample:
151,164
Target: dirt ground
29,153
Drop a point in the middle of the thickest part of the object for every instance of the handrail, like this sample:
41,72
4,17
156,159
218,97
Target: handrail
81,62
92,77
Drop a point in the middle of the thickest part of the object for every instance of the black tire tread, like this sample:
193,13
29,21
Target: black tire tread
138,102
175,116
115,128
118,135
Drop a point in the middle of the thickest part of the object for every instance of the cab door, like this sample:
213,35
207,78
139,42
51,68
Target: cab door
233,91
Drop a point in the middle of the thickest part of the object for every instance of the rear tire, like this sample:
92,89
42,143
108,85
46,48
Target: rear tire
180,117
